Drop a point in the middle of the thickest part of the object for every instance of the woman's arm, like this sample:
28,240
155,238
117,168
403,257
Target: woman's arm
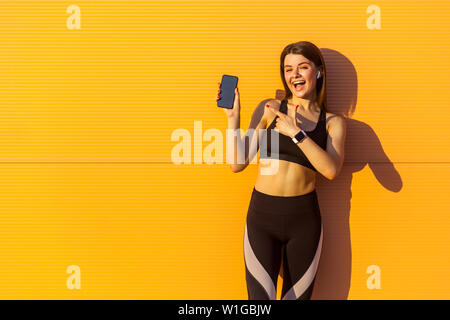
328,162
239,155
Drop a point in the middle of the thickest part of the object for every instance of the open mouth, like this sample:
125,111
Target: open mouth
298,85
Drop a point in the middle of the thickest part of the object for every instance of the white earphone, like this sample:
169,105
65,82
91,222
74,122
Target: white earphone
318,75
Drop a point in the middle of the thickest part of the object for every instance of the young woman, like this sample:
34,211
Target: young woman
283,225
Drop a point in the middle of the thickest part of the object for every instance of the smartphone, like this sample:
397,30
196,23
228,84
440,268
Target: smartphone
227,87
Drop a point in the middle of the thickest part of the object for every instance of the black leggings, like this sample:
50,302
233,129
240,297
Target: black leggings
287,229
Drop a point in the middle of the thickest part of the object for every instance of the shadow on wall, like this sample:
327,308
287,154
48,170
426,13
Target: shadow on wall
362,148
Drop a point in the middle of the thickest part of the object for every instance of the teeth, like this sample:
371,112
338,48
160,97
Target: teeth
297,82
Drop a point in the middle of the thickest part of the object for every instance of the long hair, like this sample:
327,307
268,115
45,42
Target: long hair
312,53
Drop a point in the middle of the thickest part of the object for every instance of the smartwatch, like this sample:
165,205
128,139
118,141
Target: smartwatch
299,136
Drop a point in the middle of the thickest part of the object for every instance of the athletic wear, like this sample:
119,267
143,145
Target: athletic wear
287,229
288,150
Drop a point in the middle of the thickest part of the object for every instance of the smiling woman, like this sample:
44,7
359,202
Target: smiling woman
283,228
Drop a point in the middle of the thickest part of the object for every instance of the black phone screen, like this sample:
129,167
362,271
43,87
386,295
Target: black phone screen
227,87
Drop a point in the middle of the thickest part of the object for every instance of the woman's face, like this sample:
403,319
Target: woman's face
298,68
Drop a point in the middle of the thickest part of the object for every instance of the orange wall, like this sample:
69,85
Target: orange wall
86,120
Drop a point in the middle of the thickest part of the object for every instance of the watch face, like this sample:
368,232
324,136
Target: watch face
300,136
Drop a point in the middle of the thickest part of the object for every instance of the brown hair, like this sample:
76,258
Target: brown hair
312,53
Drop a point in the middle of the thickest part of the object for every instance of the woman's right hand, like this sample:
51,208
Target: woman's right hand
232,113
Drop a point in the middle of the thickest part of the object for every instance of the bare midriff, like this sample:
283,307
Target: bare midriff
290,179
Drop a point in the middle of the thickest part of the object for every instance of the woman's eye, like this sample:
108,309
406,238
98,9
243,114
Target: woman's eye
301,68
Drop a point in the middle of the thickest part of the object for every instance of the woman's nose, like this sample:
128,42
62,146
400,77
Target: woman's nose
297,73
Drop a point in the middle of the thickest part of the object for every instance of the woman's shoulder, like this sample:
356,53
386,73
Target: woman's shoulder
274,103
262,115
333,119
268,114
265,112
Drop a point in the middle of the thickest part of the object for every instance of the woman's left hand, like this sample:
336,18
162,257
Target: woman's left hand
286,123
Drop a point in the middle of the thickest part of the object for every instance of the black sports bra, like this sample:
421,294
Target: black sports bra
288,150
